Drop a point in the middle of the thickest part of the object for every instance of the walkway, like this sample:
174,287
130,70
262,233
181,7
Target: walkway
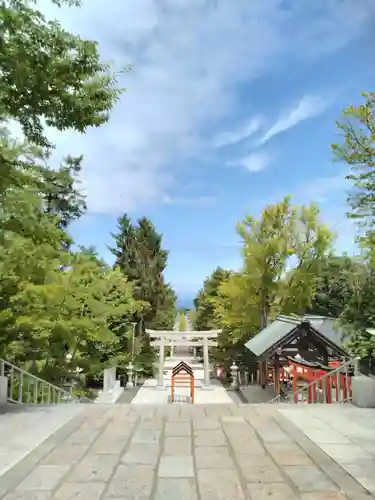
149,394
191,452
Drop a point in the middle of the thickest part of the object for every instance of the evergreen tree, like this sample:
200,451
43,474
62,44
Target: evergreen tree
142,260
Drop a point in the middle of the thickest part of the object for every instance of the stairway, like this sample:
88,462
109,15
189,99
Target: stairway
24,427
20,387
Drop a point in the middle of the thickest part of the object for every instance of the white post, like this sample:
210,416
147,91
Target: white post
161,364
3,390
106,380
206,364
172,349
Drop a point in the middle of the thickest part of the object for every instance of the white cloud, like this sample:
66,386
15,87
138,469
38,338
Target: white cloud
254,162
188,57
189,200
308,107
228,138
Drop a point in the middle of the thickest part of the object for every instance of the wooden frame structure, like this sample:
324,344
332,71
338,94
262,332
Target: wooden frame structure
182,376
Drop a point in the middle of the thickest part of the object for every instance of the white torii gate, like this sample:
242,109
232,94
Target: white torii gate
169,338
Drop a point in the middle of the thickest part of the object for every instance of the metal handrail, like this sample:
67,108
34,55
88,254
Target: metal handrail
25,388
319,387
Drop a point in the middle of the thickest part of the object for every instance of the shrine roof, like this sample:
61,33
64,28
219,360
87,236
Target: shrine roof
279,332
182,366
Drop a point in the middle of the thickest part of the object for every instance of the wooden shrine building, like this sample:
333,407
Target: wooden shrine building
315,339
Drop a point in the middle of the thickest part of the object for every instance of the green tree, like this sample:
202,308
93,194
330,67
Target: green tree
166,313
140,256
281,253
359,315
357,149
338,278
60,191
50,75
205,318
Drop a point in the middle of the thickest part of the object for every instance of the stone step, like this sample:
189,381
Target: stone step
24,427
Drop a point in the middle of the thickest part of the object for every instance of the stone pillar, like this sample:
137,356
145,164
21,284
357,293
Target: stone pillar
172,349
206,362
109,379
363,389
3,390
161,363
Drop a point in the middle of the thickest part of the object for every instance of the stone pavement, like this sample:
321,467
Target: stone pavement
149,394
24,428
188,452
345,433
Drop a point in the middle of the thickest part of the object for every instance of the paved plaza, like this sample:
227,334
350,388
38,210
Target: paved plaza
216,394
206,452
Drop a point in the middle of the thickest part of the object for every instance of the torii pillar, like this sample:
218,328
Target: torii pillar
161,364
206,363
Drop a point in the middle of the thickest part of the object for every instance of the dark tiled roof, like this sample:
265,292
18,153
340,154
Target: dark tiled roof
284,325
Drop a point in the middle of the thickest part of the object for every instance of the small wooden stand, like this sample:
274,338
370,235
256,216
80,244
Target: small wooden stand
182,376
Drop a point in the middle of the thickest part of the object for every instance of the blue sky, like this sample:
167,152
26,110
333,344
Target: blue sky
230,105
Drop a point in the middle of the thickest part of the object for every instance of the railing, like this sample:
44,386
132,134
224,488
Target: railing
333,387
21,387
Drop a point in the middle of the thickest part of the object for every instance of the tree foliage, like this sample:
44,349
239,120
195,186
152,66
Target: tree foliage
338,277
63,311
141,258
281,253
205,301
50,75
357,149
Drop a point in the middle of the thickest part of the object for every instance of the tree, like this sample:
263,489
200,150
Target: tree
50,75
281,253
54,302
204,302
166,313
338,278
358,151
142,260
359,315
60,192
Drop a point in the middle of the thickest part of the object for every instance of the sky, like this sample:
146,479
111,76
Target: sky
229,105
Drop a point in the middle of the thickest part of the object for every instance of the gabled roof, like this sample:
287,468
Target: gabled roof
182,367
282,330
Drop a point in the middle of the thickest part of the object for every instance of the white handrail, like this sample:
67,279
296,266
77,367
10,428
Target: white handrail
25,388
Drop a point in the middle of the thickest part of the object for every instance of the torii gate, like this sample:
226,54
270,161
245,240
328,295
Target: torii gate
167,338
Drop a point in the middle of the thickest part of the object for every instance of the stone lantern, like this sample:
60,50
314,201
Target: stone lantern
234,373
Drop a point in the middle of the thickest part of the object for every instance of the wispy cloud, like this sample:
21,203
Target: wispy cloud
308,107
189,201
254,162
185,79
229,138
